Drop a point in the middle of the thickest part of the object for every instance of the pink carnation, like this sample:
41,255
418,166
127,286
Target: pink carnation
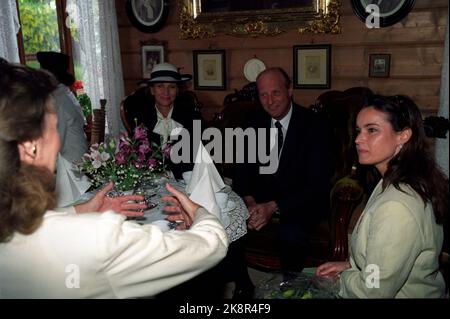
144,148
140,132
141,157
120,159
123,140
167,150
152,163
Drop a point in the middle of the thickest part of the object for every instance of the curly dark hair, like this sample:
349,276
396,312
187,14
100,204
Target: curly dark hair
414,165
26,191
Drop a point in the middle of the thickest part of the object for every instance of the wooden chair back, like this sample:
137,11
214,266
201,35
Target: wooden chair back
98,124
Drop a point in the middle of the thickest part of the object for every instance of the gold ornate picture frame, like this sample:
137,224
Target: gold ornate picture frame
198,21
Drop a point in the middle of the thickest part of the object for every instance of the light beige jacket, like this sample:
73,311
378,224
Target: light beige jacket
103,256
397,235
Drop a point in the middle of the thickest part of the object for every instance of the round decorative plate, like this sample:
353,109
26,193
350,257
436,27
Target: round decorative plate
252,68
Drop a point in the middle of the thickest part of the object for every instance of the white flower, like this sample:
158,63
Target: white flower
96,164
105,156
95,155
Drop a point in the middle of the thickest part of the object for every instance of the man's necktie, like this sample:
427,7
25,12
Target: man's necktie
280,136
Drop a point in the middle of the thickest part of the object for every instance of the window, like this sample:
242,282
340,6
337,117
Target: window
44,29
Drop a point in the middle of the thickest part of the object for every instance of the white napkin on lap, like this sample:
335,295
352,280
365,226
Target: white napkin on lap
203,195
205,181
205,165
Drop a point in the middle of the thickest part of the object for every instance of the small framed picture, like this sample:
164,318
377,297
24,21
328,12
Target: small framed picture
209,70
312,66
379,65
151,55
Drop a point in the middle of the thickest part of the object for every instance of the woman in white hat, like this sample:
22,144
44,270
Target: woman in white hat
160,108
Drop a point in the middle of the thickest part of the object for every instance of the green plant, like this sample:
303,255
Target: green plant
39,26
86,105
82,97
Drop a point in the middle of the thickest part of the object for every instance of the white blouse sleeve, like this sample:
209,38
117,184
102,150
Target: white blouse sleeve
143,260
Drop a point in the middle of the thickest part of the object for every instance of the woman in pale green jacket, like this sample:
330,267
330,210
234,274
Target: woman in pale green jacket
396,243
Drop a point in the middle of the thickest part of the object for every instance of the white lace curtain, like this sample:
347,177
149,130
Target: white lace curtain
100,56
442,144
9,27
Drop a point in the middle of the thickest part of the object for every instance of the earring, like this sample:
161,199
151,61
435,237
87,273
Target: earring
400,146
34,150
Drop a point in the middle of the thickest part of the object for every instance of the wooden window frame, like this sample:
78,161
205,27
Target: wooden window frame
65,38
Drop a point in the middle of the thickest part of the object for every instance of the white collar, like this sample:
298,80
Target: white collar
160,116
285,120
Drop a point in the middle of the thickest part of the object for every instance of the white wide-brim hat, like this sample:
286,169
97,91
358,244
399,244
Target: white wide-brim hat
166,72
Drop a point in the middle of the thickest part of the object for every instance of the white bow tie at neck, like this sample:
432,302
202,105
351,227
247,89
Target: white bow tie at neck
164,127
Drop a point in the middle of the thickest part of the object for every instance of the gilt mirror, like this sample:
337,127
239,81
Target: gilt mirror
208,18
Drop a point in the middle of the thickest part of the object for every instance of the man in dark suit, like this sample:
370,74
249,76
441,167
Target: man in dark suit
161,109
299,189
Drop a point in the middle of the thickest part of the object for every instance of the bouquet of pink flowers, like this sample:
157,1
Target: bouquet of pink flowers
124,162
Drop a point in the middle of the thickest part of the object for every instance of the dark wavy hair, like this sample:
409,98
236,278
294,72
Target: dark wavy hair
414,165
26,191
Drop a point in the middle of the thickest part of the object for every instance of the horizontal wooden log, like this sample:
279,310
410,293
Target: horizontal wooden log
415,45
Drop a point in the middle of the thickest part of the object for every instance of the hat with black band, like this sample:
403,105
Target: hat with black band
166,72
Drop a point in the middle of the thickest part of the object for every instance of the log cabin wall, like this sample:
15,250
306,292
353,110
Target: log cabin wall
416,46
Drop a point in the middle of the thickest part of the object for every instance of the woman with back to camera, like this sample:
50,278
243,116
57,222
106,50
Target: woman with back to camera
41,247
395,245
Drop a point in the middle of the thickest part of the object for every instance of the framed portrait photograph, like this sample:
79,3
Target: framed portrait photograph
147,15
379,65
312,66
209,70
151,55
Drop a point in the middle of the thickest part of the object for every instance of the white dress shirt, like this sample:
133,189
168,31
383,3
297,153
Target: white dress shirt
274,131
